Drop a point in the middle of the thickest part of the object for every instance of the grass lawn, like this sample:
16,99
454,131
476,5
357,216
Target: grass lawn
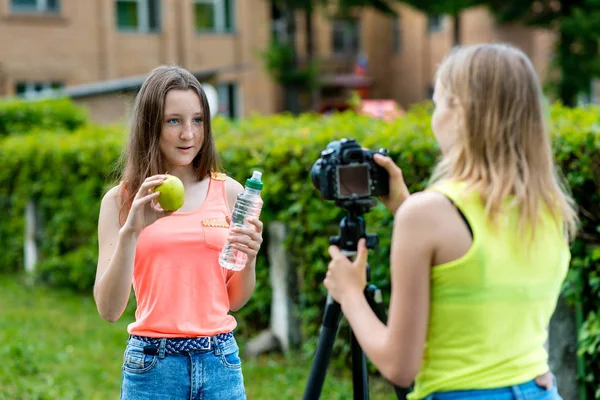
53,345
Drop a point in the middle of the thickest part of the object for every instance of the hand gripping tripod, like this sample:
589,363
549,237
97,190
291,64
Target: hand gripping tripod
352,228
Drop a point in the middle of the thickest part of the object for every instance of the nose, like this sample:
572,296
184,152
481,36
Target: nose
187,132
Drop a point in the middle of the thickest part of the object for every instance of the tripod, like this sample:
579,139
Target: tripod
352,228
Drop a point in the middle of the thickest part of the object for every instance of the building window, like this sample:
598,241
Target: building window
278,24
397,35
430,90
138,15
345,36
435,23
229,100
30,89
214,16
586,98
35,6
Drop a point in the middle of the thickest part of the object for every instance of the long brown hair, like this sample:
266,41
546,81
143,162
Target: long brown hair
503,147
141,157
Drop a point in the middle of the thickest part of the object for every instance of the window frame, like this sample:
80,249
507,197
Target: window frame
234,99
435,23
48,88
143,17
348,49
41,7
220,17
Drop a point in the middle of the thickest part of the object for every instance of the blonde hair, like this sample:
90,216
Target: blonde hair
503,147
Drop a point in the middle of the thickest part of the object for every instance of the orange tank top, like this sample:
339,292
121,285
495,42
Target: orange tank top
181,289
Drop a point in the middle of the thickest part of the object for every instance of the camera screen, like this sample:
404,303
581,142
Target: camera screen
353,180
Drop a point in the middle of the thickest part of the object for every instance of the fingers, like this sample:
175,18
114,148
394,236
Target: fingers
145,199
246,235
148,184
335,252
245,245
362,254
257,223
251,252
250,242
156,206
389,165
545,381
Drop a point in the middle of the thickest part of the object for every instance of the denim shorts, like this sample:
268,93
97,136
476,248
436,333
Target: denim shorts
526,391
160,370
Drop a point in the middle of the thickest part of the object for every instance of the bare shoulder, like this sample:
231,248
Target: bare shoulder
419,222
423,207
111,197
233,188
109,208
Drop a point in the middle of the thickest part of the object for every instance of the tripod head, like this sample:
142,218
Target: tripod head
352,227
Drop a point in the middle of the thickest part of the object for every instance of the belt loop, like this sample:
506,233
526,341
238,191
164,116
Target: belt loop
517,393
216,345
162,348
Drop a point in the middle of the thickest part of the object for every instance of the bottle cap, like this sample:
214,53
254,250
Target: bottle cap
255,181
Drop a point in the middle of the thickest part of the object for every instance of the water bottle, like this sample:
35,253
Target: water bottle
248,204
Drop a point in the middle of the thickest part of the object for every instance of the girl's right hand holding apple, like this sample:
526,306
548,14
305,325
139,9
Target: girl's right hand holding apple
398,189
144,208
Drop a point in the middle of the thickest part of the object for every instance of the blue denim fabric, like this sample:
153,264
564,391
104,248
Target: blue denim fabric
214,374
526,391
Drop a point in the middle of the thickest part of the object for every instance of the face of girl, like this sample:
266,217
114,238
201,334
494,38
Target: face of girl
444,121
182,132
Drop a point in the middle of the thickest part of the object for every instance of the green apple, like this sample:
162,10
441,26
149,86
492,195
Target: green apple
171,193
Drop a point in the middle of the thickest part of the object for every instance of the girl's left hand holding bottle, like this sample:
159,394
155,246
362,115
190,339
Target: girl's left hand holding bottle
247,239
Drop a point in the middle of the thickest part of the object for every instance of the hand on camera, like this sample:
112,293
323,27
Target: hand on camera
344,277
398,190
247,239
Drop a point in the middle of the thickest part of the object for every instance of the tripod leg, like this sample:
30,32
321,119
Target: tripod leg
375,300
360,375
331,321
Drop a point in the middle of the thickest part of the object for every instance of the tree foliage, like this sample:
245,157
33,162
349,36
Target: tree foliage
575,22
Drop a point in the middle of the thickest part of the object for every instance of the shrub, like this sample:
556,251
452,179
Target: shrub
19,117
68,175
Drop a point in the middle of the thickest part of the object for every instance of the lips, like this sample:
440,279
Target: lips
185,148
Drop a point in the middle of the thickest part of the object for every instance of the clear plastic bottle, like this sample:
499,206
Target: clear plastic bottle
248,204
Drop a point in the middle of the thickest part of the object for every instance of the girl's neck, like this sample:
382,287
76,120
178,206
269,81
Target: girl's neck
185,173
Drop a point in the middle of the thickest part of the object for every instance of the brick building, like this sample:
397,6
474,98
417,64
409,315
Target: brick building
403,53
108,45
100,51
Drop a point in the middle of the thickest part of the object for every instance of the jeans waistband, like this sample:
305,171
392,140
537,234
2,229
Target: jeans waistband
524,391
183,345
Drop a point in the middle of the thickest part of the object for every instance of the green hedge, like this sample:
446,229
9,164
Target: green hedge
21,117
67,176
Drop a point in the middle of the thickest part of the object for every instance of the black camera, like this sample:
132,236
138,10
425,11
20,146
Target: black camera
346,171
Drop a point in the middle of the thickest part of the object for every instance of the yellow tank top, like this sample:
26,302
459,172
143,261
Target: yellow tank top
491,308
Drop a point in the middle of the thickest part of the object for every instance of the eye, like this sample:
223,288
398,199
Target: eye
172,121
197,120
